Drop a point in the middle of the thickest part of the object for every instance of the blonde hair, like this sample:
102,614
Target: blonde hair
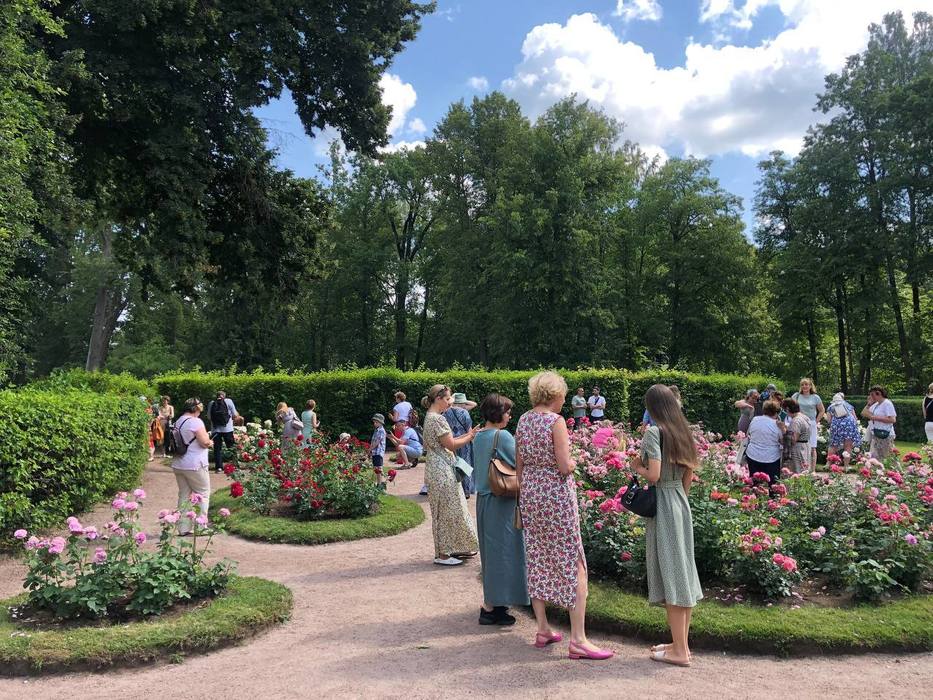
930,390
546,387
281,407
434,392
810,382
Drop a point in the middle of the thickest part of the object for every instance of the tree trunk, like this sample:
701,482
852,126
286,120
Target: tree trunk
841,333
422,323
110,301
401,315
811,341
848,322
909,379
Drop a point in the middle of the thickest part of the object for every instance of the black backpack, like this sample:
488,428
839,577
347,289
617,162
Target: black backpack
220,413
176,444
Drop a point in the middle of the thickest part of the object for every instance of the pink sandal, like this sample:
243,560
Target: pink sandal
542,639
578,652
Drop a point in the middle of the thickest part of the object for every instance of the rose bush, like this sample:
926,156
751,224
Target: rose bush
308,481
96,574
870,533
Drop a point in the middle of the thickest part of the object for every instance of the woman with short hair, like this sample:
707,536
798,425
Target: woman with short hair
881,417
501,546
451,525
798,438
766,443
191,468
555,560
746,408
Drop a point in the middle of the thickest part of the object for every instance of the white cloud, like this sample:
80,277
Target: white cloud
630,10
478,83
417,126
402,146
401,97
747,99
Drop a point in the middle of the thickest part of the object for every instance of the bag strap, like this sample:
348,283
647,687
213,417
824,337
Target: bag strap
460,422
193,437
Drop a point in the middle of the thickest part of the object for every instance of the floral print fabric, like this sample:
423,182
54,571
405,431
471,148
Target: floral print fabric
550,514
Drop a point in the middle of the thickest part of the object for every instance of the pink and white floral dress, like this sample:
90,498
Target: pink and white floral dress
550,514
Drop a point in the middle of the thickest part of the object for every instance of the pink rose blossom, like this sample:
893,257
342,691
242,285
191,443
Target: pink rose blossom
173,517
100,555
140,538
778,559
20,534
130,505
816,535
191,515
625,556
910,539
57,545
195,498
140,494
118,503
598,525
224,512
91,533
602,437
163,513
201,520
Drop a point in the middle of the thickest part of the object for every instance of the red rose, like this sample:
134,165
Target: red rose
236,489
392,474
229,469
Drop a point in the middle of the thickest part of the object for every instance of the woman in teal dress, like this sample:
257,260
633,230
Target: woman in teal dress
310,421
501,546
668,459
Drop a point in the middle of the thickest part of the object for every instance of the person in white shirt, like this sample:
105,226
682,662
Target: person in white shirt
766,443
881,419
597,405
401,410
190,468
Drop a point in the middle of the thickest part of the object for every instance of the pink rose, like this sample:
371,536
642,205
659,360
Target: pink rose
140,538
625,556
816,535
163,513
118,503
598,525
201,520
140,494
57,545
224,512
195,498
130,505
32,542
789,564
20,534
173,517
757,548
602,437
90,533
100,555
191,515
778,559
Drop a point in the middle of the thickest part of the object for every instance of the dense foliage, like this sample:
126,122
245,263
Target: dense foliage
309,482
347,399
61,452
871,534
120,578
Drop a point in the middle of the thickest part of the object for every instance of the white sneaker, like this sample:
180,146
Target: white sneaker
450,561
424,490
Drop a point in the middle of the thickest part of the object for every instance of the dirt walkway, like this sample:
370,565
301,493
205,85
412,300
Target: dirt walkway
375,618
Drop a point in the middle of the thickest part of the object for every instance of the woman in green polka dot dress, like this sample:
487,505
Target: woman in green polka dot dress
668,459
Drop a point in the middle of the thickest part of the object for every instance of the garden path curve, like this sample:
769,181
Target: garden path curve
375,618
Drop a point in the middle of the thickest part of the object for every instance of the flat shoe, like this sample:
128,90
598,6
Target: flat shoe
449,561
661,656
578,652
463,555
542,640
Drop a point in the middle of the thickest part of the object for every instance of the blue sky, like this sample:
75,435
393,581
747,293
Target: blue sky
725,79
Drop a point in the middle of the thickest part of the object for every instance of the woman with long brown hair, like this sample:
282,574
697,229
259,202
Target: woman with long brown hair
668,459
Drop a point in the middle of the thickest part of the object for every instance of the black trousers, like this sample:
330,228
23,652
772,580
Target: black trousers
221,439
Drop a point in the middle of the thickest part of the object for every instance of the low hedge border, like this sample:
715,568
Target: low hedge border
901,625
347,399
395,515
250,605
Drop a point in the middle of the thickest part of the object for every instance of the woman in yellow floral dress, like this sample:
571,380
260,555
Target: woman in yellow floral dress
453,528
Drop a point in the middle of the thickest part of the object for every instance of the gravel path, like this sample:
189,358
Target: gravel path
376,618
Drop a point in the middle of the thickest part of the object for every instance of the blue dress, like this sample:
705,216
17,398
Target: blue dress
501,546
842,429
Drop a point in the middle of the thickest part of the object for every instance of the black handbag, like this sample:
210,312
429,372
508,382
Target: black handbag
640,500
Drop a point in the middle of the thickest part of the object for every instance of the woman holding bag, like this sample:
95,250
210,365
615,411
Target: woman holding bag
501,546
454,533
668,459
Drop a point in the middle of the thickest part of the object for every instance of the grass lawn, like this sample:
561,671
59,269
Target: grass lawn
395,515
905,624
249,606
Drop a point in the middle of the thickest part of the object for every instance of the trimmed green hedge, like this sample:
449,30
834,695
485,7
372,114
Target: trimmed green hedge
62,452
122,384
249,606
347,399
909,409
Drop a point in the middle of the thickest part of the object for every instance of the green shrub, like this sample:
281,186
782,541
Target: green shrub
62,452
347,399
909,426
122,384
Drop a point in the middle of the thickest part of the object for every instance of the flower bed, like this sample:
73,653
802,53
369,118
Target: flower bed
247,607
309,494
119,580
867,535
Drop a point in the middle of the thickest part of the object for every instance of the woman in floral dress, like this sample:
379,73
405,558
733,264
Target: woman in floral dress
453,528
548,502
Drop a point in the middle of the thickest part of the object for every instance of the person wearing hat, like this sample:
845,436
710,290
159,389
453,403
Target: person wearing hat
377,445
766,395
928,414
458,418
